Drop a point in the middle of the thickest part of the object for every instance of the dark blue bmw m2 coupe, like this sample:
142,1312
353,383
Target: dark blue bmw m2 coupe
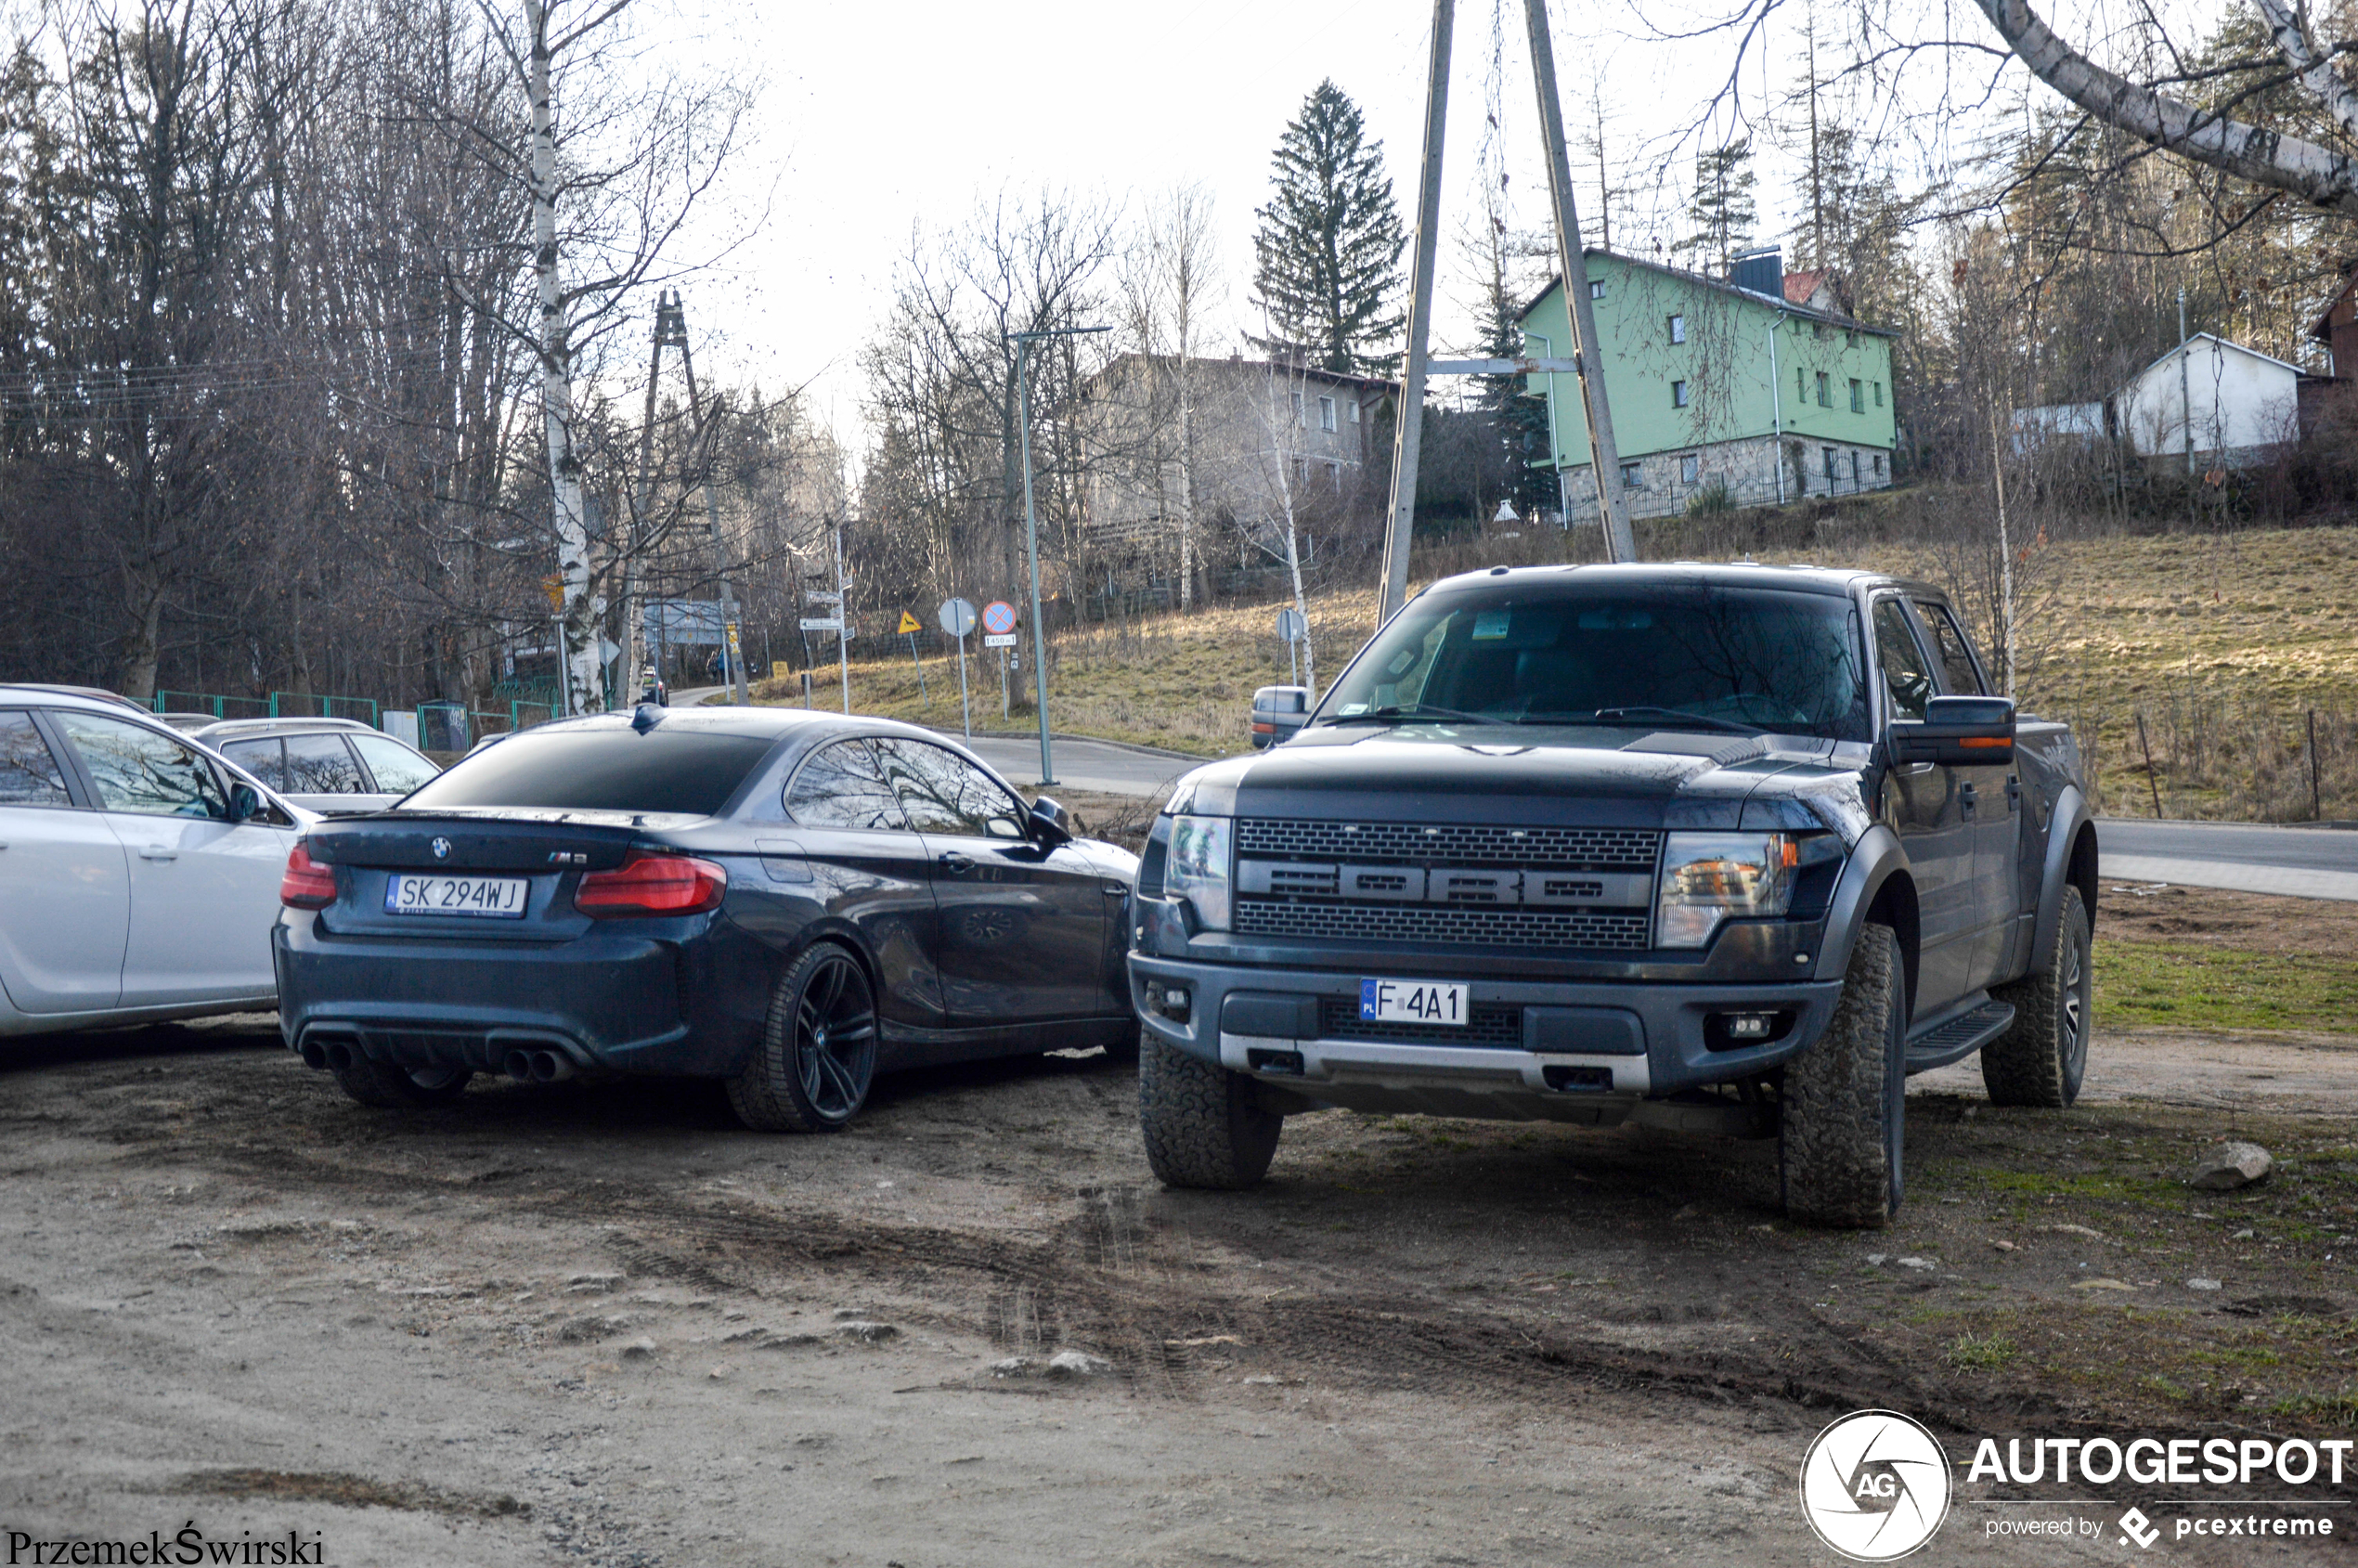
786,901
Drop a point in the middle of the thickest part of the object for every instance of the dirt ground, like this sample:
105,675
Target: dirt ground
600,1324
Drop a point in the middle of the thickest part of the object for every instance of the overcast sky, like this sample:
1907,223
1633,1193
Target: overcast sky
874,119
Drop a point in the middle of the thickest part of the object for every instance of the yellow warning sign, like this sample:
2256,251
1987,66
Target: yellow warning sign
909,623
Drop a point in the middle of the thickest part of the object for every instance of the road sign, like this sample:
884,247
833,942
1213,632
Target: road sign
1005,639
956,616
734,649
553,584
998,618
1291,626
908,624
779,670
816,598
823,624
682,622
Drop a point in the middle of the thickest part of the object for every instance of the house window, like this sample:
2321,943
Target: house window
1858,396
1297,406
1831,457
1854,471
1825,390
1326,411
1800,382
1677,395
1354,406
1689,469
1334,477
1633,476
1879,465
1596,287
1878,394
1678,329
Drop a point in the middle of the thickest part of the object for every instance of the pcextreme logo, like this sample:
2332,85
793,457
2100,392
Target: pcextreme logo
1875,1485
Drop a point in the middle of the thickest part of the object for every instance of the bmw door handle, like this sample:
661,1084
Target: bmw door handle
955,863
158,852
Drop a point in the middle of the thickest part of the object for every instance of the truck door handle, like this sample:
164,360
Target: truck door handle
158,852
956,864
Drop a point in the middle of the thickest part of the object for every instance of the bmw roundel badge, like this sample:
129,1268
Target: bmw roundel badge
441,848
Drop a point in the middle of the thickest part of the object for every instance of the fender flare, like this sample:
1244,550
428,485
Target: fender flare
1874,860
2070,818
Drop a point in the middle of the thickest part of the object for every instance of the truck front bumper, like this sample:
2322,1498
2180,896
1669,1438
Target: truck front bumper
1589,1051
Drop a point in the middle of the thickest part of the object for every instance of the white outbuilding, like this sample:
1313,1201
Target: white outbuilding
2245,405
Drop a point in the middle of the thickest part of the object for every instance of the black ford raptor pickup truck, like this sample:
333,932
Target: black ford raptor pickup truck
1728,848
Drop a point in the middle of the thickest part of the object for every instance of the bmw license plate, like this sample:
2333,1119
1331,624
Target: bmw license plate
1413,1001
501,898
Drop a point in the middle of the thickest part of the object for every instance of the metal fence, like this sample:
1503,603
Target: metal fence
219,705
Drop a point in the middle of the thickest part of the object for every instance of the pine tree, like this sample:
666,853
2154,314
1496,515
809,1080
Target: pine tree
1327,253
1721,209
1518,419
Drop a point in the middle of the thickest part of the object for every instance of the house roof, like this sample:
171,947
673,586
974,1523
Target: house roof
2214,337
1831,318
1799,286
2321,330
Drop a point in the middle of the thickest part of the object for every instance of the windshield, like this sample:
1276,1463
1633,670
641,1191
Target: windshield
1714,657
601,770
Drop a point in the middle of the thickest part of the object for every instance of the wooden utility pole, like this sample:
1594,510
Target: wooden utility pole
731,649
1604,454
1401,523
633,617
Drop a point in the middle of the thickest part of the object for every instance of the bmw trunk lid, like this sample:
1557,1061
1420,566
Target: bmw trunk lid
483,855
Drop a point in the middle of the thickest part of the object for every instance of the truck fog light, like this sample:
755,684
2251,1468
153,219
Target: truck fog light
1734,1032
1172,1001
1748,1025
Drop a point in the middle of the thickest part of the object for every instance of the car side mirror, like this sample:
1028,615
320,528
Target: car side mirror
245,803
1959,732
1051,824
1279,713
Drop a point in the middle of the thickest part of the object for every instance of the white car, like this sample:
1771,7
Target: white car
138,873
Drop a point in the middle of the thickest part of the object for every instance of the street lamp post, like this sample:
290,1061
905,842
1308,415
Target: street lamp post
1023,342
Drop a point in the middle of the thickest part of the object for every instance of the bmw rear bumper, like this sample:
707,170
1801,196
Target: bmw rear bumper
674,997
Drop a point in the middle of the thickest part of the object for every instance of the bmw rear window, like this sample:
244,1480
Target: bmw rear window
601,770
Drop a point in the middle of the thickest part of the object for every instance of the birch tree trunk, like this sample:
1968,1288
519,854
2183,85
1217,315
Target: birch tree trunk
577,626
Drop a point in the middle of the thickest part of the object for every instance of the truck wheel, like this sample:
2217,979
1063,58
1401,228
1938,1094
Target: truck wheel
384,1087
811,1069
2041,1059
1841,1137
1203,1125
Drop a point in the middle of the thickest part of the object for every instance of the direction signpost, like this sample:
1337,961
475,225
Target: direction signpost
956,619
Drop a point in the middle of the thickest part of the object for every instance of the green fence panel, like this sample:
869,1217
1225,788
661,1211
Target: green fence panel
315,705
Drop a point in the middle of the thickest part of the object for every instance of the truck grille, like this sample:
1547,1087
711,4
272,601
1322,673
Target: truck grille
1584,849
1466,924
1494,1027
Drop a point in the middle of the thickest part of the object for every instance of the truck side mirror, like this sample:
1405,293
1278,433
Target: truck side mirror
1279,713
1961,732
1051,824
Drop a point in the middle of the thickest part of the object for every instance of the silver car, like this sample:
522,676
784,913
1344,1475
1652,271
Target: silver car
140,874
336,767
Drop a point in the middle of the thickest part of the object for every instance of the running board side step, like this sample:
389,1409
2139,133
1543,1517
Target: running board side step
1959,1037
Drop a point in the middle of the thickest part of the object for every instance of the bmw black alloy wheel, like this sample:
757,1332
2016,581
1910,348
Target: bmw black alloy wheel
834,1042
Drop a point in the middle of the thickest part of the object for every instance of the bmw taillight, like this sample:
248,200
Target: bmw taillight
307,883
652,884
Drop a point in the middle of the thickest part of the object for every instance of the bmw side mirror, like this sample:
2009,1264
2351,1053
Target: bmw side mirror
1279,713
1051,824
1960,731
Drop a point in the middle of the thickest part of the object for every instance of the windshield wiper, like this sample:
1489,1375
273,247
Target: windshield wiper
1645,715
1399,713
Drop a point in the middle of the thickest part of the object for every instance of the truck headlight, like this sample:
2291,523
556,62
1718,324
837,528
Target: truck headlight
1197,868
1708,877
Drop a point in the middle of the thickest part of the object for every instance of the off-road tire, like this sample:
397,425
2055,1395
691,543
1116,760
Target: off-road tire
1840,1133
1204,1126
383,1086
2043,1055
781,1088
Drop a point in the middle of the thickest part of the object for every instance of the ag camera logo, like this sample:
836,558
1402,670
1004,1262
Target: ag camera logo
1875,1485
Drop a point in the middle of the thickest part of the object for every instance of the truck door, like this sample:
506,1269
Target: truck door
1924,804
1992,799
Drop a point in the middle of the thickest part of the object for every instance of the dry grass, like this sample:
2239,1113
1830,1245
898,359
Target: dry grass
2223,641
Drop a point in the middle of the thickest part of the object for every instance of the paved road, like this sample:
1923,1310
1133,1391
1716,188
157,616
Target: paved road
2316,863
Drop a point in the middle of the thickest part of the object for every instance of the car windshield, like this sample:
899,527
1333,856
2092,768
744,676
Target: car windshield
600,770
1661,657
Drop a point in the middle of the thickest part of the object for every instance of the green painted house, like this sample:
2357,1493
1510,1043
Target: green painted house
1760,386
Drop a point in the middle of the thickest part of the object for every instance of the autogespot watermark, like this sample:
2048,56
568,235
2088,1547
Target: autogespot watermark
156,1550
1876,1484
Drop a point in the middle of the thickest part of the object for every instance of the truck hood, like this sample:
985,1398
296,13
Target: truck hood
1571,777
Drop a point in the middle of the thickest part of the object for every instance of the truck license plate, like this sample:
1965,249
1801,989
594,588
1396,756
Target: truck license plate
1413,1001
501,898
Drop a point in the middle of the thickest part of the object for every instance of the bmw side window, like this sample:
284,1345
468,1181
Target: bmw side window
29,773
1959,676
320,764
1906,677
944,793
265,760
843,785
135,769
